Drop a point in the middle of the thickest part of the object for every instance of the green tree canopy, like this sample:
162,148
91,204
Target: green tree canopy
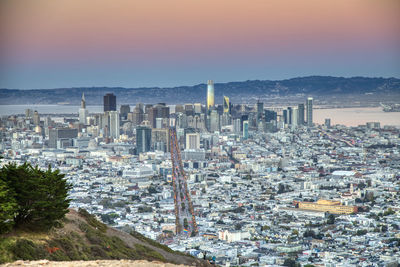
41,196
8,207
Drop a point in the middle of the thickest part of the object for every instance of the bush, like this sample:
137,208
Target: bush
150,241
149,253
99,253
91,219
25,249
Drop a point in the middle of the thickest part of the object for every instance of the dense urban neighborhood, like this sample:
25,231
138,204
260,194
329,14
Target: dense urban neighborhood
267,186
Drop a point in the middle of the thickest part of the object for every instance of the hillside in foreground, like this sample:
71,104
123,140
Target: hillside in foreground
81,237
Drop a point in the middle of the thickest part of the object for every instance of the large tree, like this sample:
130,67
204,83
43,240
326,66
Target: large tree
8,207
41,196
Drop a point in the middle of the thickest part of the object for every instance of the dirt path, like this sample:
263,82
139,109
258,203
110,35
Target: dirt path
99,263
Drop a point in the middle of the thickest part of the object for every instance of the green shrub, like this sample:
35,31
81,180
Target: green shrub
25,249
151,241
99,253
149,253
91,219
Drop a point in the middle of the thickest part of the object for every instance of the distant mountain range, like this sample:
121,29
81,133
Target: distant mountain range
239,92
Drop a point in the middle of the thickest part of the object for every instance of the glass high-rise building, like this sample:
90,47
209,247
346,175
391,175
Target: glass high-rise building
110,102
300,121
290,115
210,94
114,124
285,116
214,121
245,130
309,111
143,139
227,107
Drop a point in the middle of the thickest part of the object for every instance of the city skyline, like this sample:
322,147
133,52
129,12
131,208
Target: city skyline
199,133
133,44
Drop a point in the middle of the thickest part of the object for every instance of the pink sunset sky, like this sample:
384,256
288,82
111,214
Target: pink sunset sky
70,43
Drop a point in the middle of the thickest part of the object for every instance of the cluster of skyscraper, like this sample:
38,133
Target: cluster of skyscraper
241,118
150,124
302,115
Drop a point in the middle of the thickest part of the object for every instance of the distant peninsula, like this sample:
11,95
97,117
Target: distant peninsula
355,89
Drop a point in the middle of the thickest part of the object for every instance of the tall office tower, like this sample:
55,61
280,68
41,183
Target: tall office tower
285,116
124,110
300,120
152,115
226,119
290,115
110,102
210,94
270,115
197,108
260,111
192,141
244,117
214,121
245,130
237,126
138,114
83,112
105,123
114,124
295,114
181,121
83,101
36,118
160,139
310,112
143,139
227,107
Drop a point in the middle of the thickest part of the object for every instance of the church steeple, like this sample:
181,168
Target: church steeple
83,102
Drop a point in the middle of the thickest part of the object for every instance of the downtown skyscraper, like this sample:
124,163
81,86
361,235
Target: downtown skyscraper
83,112
210,94
227,107
309,106
110,102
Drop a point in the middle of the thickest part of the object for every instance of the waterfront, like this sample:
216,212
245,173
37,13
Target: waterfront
356,116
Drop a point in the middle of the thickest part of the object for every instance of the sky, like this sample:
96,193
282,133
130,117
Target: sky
131,43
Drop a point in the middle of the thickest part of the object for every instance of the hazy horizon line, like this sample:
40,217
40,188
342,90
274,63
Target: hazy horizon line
205,83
